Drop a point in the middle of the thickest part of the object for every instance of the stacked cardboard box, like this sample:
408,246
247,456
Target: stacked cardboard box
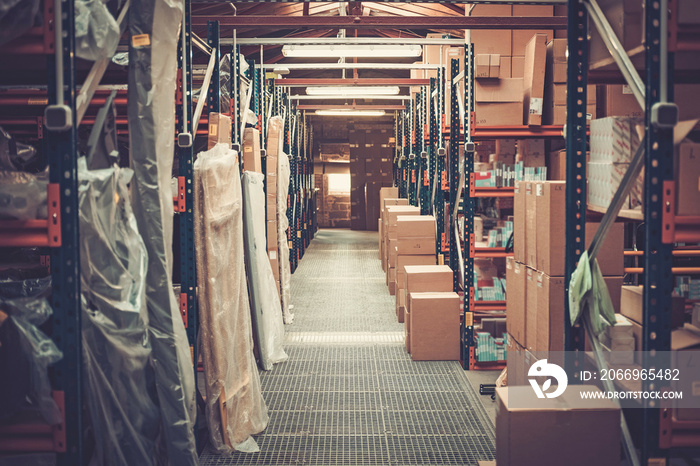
415,245
614,140
386,202
627,21
535,276
572,430
335,152
420,279
555,86
371,167
434,326
533,82
373,202
391,213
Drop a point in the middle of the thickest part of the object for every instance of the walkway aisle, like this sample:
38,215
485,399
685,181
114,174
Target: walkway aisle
349,394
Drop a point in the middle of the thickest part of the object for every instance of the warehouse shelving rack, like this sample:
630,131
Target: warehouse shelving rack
659,430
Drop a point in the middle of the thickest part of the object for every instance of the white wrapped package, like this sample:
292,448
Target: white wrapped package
235,408
267,311
284,172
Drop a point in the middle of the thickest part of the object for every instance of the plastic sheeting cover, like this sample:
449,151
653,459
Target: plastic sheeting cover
263,287
116,349
235,408
14,155
28,309
151,110
16,17
23,195
96,31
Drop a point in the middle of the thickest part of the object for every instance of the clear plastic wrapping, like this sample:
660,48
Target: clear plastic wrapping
235,409
283,174
120,384
15,156
96,31
16,17
28,308
225,83
265,299
151,111
23,195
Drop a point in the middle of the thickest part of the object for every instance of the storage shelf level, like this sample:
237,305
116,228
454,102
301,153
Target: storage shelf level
624,214
493,192
490,253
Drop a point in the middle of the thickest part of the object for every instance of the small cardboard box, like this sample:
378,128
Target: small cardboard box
567,430
531,190
487,65
434,326
420,226
533,82
251,150
219,130
516,300
499,101
519,227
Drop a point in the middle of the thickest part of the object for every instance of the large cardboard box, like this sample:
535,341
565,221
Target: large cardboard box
632,305
530,309
416,246
499,102
491,41
531,152
531,223
519,227
682,342
687,170
219,130
517,67
533,82
420,278
434,326
626,20
556,61
487,66
551,234
515,299
391,275
550,313
415,226
620,101
568,430
388,193
556,165
251,150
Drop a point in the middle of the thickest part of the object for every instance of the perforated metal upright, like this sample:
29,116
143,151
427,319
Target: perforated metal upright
62,154
468,202
188,273
235,93
453,154
426,152
443,247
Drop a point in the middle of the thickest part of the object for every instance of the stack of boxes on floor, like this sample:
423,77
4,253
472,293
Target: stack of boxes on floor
535,275
371,168
425,302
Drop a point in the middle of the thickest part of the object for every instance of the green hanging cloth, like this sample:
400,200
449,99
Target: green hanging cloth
588,289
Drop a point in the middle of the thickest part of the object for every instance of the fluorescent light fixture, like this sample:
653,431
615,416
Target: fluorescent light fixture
352,90
351,50
350,112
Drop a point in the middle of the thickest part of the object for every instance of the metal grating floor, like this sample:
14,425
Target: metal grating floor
349,394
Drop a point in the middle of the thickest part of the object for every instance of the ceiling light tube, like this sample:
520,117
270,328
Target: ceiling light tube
342,112
352,90
354,50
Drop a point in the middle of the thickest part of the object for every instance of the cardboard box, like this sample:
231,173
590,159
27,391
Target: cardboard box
434,326
388,193
550,313
407,327
556,165
568,430
556,115
620,101
506,68
531,313
403,260
491,41
499,101
431,53
687,171
531,224
519,226
632,305
517,67
416,246
415,226
487,66
626,20
516,299
391,275
392,252
556,61
400,301
423,278
520,37
533,82
251,150
531,152
272,234
683,341
219,130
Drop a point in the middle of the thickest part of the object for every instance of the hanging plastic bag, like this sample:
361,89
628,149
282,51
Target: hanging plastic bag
23,195
15,156
120,384
96,31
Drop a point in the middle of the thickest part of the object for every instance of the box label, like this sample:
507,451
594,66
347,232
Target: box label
536,104
213,130
141,40
273,255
